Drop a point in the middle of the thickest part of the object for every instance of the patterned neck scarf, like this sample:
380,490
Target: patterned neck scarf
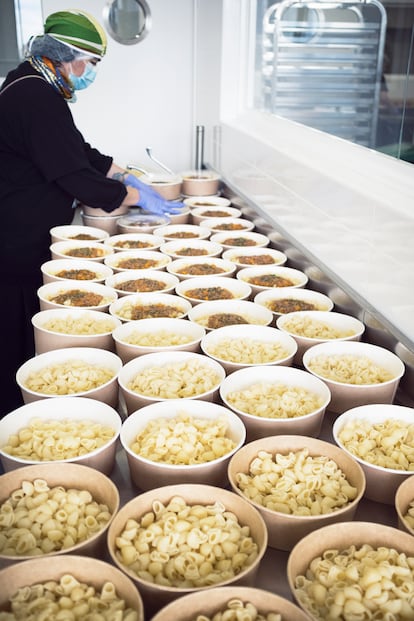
52,75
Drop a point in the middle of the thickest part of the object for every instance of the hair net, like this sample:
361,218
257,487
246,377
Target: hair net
45,45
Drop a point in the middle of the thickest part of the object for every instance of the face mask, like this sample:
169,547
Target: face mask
83,81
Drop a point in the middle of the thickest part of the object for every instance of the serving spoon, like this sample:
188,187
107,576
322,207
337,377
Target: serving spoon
154,159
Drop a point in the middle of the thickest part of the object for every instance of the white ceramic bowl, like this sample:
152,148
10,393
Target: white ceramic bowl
340,327
203,288
293,300
57,328
137,259
286,529
200,182
194,202
128,282
91,357
182,232
240,239
88,251
168,186
191,248
257,345
201,267
147,473
382,483
106,221
134,241
77,232
346,395
74,269
217,225
70,409
292,277
290,378
164,334
146,305
200,214
247,257
183,383
222,312
101,295
137,221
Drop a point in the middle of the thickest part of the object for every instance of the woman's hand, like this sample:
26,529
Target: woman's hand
150,200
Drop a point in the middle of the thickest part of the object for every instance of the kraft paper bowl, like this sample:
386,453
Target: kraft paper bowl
147,305
200,214
178,249
137,259
283,300
233,311
204,288
92,251
293,276
77,232
404,498
183,232
249,257
140,281
78,270
76,292
200,182
133,241
201,267
240,239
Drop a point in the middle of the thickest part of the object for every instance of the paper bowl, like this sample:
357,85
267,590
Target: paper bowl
286,529
342,327
404,497
149,305
73,269
260,426
89,571
92,251
140,222
92,357
194,202
160,334
97,211
215,601
183,385
341,537
77,232
216,225
137,259
201,267
155,596
124,242
146,474
69,476
293,300
297,278
129,282
72,409
200,182
106,221
200,214
240,239
182,232
191,248
204,288
382,483
57,328
210,314
167,186
246,257
278,348
101,295
182,217
345,395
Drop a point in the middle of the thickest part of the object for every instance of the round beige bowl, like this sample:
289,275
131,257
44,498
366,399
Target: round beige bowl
286,529
216,225
404,498
302,324
182,217
183,232
382,483
105,221
74,269
77,232
137,259
200,182
200,214
94,252
70,409
97,211
57,328
219,313
260,426
285,277
215,601
141,222
147,473
194,202
346,395
201,267
68,476
247,257
281,301
89,571
92,359
191,248
237,347
82,294
154,595
167,186
183,386
240,239
341,537
134,241
203,288
128,282
158,334
147,305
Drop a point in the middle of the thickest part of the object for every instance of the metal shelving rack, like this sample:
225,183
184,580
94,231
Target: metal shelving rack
322,65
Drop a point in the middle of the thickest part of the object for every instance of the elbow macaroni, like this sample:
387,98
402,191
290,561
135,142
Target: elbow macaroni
247,351
314,328
348,369
237,610
68,378
274,400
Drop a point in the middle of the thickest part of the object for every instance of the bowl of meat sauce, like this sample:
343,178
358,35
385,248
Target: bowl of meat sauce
86,295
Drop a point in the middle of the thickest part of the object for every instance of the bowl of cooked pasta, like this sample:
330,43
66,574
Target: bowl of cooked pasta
57,328
142,281
357,373
404,504
89,587
92,251
77,232
282,301
206,288
80,430
71,371
298,484
381,438
218,313
201,213
180,441
276,400
208,536
149,305
134,241
375,565
250,257
178,375
75,270
156,334
179,249
201,267
47,511
265,277
231,602
127,260
76,294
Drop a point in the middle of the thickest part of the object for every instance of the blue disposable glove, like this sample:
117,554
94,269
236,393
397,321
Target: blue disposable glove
150,200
